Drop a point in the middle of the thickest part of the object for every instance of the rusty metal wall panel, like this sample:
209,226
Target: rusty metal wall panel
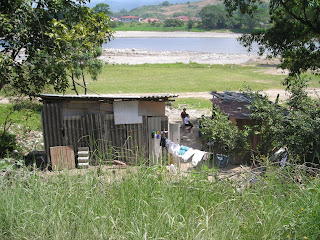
52,126
73,131
93,135
124,142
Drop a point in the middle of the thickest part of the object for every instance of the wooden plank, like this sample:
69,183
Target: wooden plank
62,157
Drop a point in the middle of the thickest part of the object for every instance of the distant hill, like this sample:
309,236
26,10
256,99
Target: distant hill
187,8
117,5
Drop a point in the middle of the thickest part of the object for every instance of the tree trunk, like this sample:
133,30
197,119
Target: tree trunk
74,85
84,84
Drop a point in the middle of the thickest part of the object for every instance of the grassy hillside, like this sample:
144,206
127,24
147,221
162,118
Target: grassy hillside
161,12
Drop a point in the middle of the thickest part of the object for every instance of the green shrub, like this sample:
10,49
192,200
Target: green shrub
227,138
173,23
8,144
296,125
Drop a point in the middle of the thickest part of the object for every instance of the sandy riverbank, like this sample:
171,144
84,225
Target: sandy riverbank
136,56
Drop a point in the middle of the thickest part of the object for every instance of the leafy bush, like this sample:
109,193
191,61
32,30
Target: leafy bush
173,23
8,143
295,126
227,138
113,24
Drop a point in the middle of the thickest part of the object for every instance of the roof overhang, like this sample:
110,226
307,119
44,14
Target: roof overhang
109,98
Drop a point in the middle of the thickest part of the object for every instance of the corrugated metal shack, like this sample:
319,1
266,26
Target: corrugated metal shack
235,105
112,126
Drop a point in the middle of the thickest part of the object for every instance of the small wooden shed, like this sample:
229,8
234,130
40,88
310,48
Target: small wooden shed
112,126
236,106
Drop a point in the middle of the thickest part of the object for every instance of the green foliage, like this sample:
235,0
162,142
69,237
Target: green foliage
113,24
293,34
102,8
190,24
186,13
295,126
51,37
227,138
216,17
150,27
25,115
268,119
8,144
148,203
173,23
166,3
18,124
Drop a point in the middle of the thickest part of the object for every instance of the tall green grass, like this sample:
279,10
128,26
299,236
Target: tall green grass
150,204
176,78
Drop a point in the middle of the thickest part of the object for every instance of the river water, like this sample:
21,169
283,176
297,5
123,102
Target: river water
194,44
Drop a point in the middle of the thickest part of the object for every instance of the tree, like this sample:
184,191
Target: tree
45,42
214,16
190,24
173,23
294,34
102,8
123,11
165,3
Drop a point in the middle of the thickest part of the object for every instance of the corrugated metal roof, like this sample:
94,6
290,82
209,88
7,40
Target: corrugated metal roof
234,104
232,96
111,97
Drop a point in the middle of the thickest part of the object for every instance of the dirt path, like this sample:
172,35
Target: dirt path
272,94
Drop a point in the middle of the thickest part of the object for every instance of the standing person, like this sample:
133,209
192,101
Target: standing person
183,115
187,122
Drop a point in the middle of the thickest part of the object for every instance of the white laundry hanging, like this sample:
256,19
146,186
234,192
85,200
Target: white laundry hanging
188,154
197,157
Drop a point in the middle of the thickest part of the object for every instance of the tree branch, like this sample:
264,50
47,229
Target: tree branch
300,19
86,88
74,84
